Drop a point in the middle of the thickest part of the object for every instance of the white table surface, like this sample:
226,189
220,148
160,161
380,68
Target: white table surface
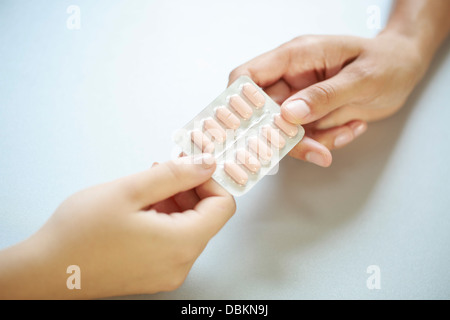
80,107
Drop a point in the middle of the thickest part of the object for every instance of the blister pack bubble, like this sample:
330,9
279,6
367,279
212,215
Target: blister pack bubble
245,131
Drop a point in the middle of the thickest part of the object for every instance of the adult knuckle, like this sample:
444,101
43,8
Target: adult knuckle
323,93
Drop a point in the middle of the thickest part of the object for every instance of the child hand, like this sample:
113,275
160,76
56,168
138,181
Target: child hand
139,234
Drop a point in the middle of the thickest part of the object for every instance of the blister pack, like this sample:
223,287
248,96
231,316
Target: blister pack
244,130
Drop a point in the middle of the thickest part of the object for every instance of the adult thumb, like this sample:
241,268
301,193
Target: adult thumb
321,98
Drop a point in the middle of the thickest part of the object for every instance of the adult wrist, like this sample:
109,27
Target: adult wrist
415,51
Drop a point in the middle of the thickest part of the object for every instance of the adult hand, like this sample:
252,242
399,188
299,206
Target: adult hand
334,85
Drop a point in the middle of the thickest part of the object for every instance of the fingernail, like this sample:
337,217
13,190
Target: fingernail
315,158
359,130
297,110
208,161
343,139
